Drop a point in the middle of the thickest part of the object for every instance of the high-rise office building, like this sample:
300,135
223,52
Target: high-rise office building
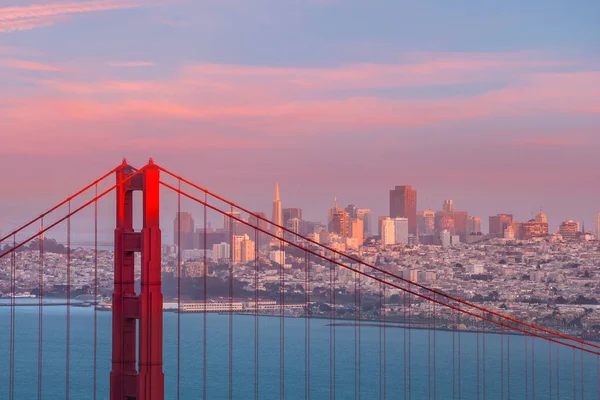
230,224
352,211
340,223
364,214
569,229
183,230
403,204
401,230
289,213
357,230
277,217
473,225
295,226
447,206
388,232
333,210
498,223
426,222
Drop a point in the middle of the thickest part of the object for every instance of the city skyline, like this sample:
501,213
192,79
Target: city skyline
476,118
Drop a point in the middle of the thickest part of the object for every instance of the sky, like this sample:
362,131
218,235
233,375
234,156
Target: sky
495,105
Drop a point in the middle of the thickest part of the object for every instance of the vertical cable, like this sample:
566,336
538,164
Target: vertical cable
384,342
359,331
581,358
409,347
558,376
335,332
525,338
40,312
508,364
483,355
354,315
256,346
306,329
68,349
459,355
574,376
478,367
453,354
429,354
330,331
179,288
205,287
233,253
502,363
95,290
532,367
404,352
434,351
13,272
550,369
380,347
281,322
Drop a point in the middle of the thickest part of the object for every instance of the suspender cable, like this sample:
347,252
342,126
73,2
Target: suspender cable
205,287
380,347
409,347
478,366
526,368
179,289
550,369
581,358
281,323
428,352
256,346
574,376
484,357
384,312
40,309
331,334
404,387
68,347
459,357
359,331
502,364
356,336
232,250
13,272
306,327
508,365
434,352
95,290
558,375
532,368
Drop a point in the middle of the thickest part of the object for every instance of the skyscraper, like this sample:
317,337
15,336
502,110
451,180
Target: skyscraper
388,231
498,223
474,225
183,230
447,205
357,230
352,211
401,230
403,204
277,217
340,223
364,214
289,213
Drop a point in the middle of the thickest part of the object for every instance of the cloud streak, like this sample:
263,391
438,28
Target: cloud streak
130,64
27,65
35,16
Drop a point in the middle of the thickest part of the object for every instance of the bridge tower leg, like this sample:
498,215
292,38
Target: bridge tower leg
146,382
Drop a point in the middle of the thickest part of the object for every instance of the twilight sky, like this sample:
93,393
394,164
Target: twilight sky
496,106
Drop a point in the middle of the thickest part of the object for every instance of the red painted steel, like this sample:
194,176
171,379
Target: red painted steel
146,382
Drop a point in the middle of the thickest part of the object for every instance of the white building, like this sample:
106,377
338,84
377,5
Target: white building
221,251
388,232
401,230
277,256
445,238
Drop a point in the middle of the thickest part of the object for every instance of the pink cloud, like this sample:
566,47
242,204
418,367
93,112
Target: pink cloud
26,24
270,102
40,15
130,64
27,65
